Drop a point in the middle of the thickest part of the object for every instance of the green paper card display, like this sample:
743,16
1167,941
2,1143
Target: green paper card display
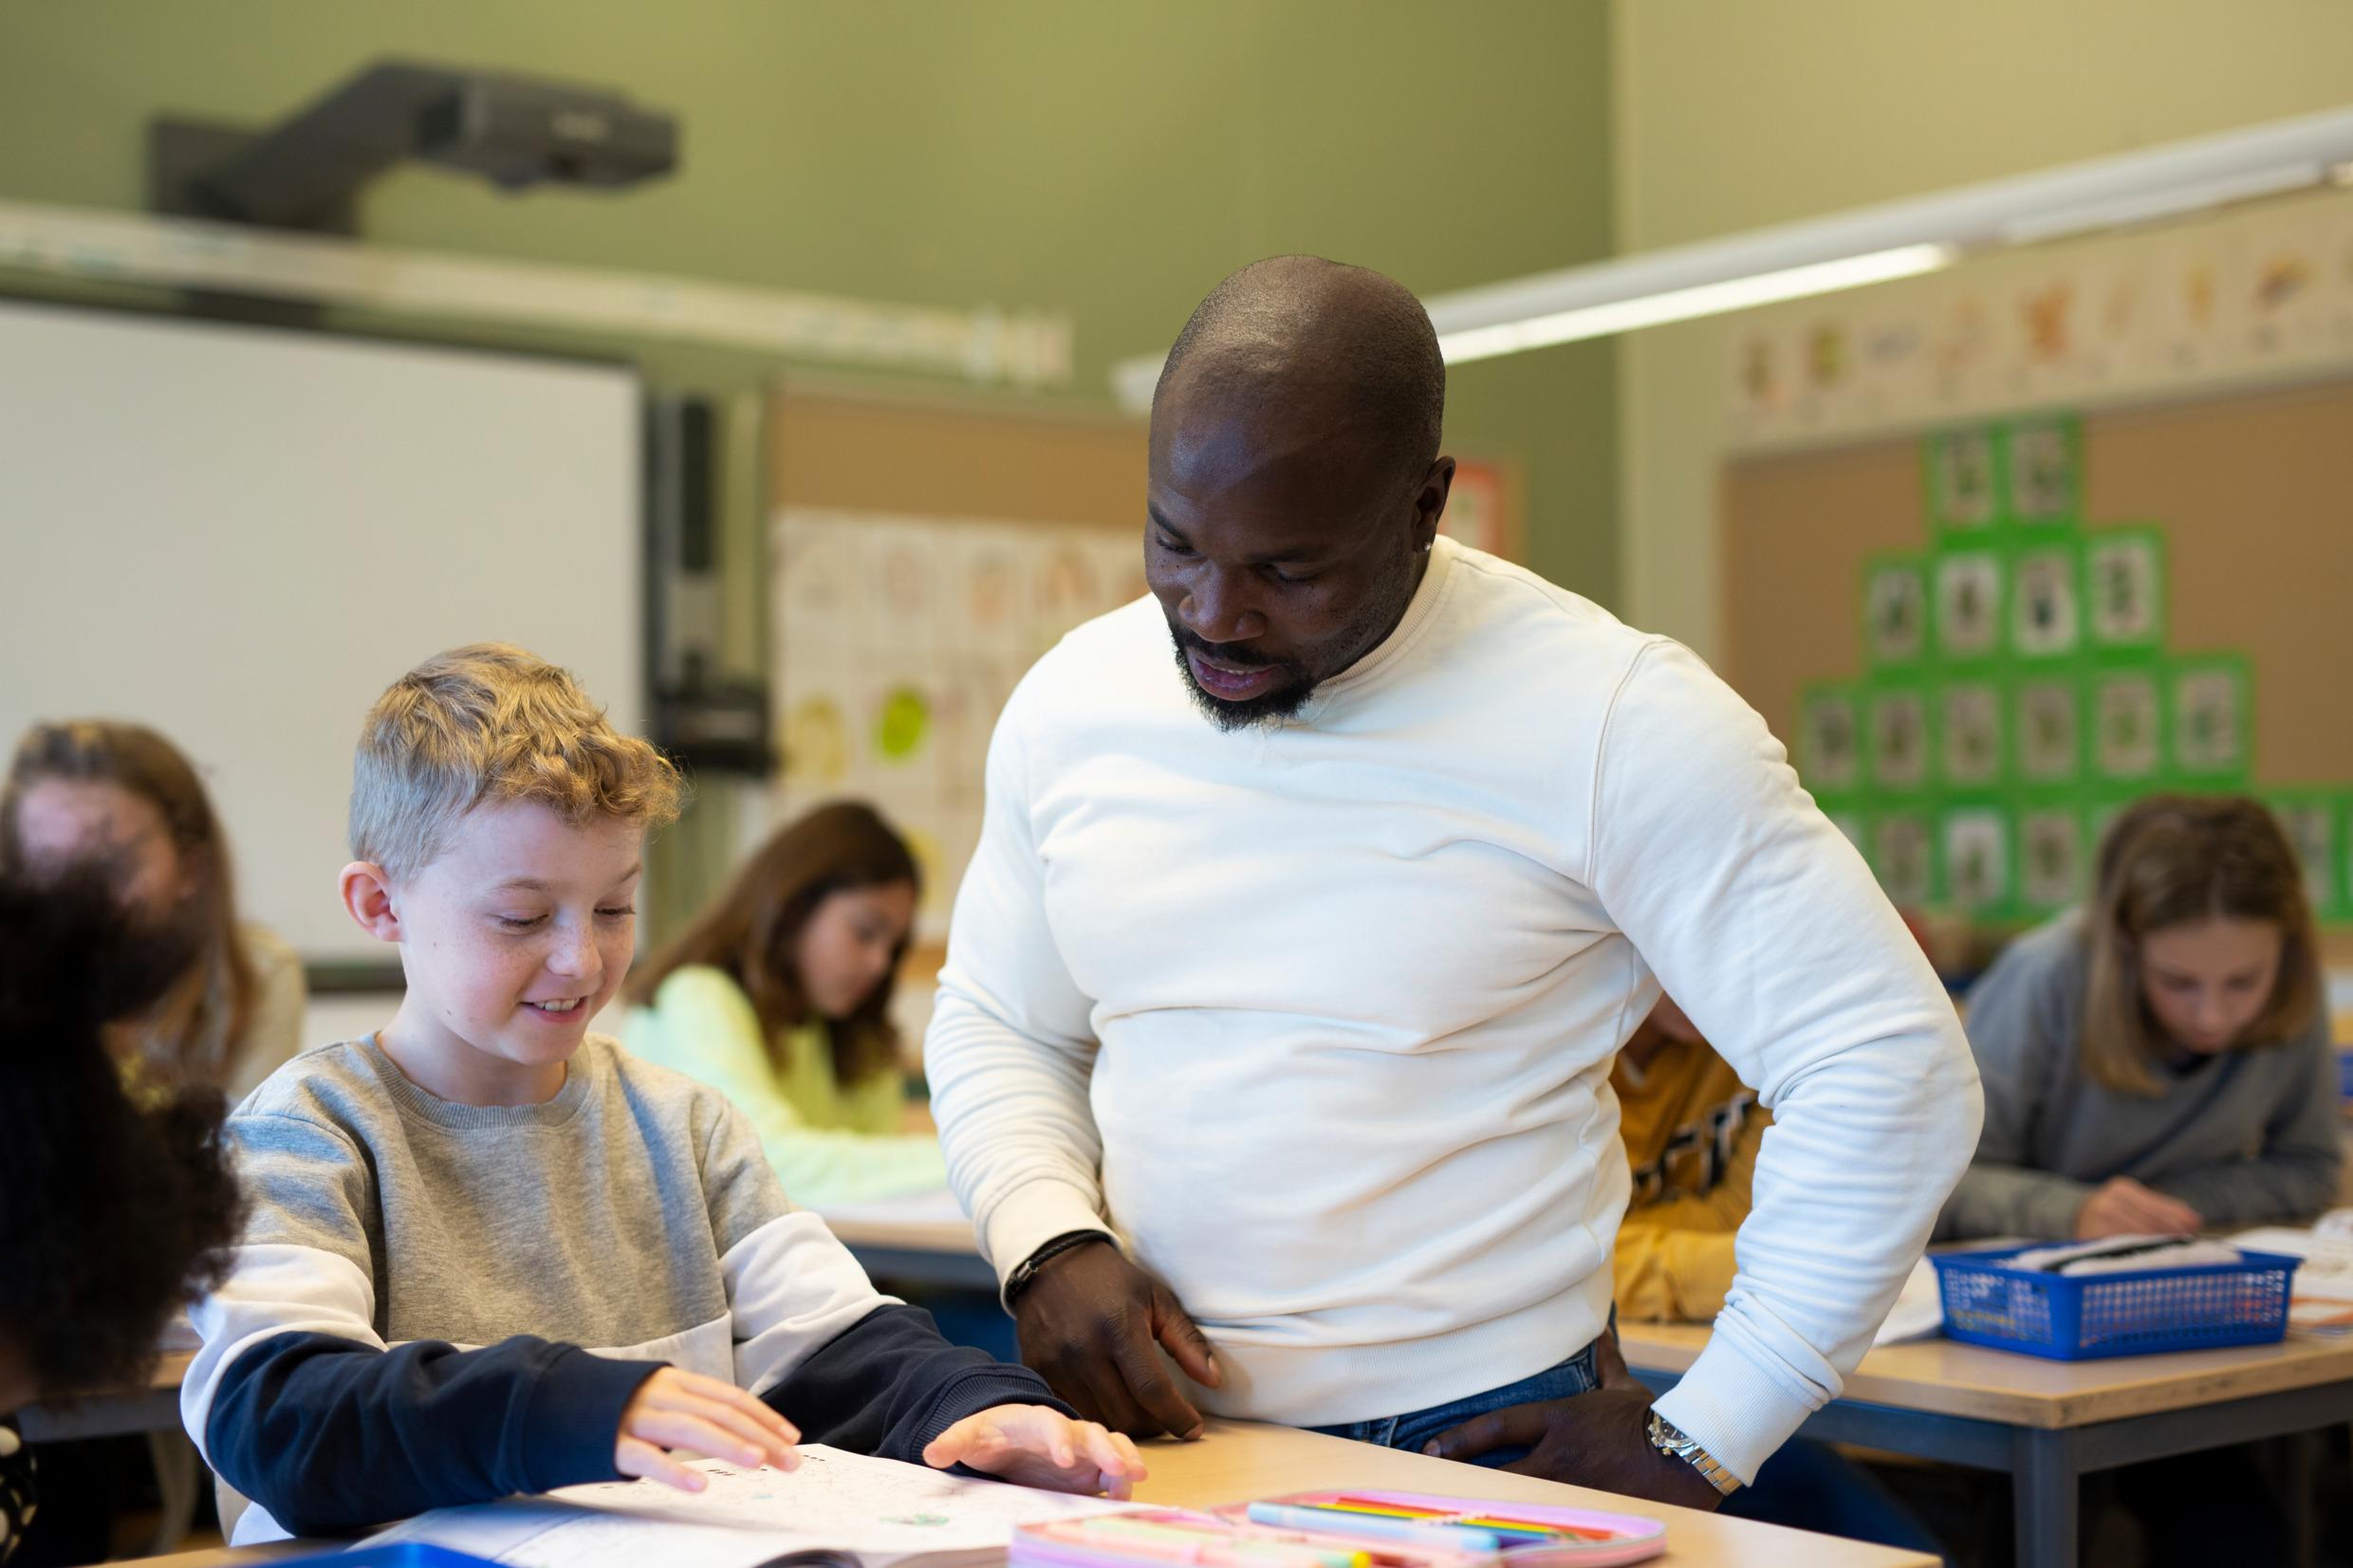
1976,846
1898,737
1962,469
2125,710
2314,821
1903,853
1971,753
2047,599
2054,855
1829,738
1966,599
2043,472
1894,611
2211,720
2047,727
2124,588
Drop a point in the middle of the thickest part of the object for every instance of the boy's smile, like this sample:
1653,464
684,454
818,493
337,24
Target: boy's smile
512,938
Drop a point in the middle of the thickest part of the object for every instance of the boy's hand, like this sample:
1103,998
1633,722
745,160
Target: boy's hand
684,1412
1035,1446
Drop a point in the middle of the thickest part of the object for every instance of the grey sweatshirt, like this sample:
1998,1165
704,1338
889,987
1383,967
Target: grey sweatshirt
438,1303
2242,1136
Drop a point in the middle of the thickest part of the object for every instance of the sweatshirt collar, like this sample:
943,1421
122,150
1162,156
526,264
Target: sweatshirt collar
1419,612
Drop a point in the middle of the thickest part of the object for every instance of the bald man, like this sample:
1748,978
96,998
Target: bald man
1282,993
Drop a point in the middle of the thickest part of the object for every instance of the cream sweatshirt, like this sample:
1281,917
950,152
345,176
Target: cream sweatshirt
1319,1020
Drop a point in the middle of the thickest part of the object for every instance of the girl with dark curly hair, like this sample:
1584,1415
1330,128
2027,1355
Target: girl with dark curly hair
112,1214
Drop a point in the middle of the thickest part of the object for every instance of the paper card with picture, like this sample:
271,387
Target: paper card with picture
2048,726
1976,857
1969,604
1899,739
2044,619
1969,733
1904,854
2128,725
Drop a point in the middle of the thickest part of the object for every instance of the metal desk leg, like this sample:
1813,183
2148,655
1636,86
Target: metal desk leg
2046,1474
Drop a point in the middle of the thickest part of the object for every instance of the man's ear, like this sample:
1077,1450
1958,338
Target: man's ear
1430,502
369,899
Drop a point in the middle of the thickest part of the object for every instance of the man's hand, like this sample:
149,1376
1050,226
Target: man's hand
1600,1439
684,1412
2125,1207
1038,1445
1093,1326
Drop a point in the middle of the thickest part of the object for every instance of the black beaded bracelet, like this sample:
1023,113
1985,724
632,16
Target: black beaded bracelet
1027,1270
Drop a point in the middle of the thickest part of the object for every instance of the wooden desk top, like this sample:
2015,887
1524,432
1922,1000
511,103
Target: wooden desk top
952,1237
1243,1459
1949,1378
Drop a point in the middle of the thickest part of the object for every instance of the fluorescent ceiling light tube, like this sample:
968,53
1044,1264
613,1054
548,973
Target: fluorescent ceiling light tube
1682,304
1891,239
2195,196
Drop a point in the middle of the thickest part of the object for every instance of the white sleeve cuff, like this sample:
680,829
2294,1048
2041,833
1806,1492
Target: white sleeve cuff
1733,1408
1033,1214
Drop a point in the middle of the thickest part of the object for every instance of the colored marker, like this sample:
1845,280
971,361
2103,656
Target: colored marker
1347,1522
1514,1532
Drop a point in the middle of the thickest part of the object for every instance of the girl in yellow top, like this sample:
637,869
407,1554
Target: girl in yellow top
780,996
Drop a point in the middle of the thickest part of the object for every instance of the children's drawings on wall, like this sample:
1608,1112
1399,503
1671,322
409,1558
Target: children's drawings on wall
2260,290
897,640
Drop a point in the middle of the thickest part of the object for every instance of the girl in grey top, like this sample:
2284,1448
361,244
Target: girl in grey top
2159,1060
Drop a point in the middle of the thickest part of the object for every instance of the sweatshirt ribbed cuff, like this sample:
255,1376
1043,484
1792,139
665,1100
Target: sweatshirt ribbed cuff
2048,1213
573,1425
1732,1408
1033,1215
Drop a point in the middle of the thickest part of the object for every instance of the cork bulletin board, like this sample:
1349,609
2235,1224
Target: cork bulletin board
1848,571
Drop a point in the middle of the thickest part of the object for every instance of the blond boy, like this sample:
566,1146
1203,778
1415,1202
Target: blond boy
483,1172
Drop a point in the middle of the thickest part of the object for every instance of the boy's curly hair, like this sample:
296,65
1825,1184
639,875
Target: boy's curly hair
492,722
111,1214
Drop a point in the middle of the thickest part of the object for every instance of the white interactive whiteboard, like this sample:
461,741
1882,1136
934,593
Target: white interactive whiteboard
241,535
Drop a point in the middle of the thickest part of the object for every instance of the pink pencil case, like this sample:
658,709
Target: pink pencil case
1226,1538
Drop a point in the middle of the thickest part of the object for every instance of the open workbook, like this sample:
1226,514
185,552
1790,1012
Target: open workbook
881,1512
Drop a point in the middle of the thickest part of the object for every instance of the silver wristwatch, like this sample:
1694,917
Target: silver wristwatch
1668,1439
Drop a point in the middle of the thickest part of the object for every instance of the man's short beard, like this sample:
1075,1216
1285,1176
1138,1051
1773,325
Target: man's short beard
1266,709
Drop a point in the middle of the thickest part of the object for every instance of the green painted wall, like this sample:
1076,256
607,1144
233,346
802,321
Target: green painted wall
1111,161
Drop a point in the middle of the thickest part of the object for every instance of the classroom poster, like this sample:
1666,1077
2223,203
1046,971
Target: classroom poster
2048,722
1962,479
1904,854
2124,572
2051,857
2044,465
2311,822
1970,734
1895,598
897,642
2128,726
2212,719
2045,602
1969,604
1832,758
1898,738
1977,858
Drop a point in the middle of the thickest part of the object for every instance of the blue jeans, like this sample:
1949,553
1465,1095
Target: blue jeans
1566,1380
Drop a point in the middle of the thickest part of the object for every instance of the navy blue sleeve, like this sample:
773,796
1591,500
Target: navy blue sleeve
889,1384
330,1436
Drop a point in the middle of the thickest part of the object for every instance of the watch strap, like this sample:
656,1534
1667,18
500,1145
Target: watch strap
1668,1438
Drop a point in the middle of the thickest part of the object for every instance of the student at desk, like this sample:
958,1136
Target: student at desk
483,1171
779,997
110,1211
90,790
2161,1060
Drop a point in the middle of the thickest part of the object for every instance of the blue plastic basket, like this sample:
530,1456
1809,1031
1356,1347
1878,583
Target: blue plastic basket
2082,1317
